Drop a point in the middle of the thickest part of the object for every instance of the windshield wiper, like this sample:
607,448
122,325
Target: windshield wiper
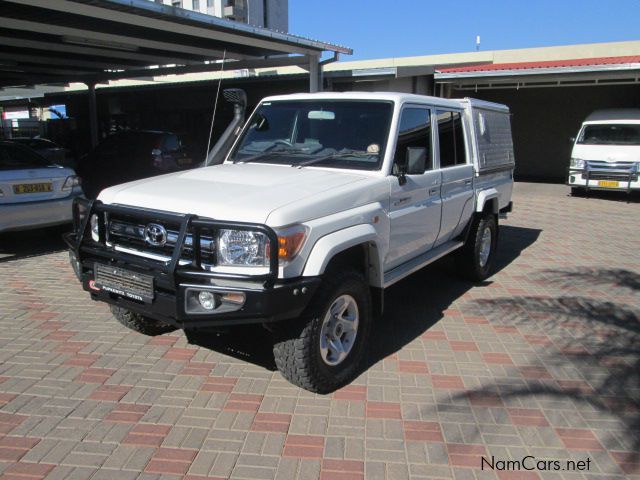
350,153
262,155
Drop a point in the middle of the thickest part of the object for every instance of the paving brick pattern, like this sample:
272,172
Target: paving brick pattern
541,360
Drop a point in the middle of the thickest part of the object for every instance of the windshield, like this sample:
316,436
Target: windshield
330,133
15,157
610,134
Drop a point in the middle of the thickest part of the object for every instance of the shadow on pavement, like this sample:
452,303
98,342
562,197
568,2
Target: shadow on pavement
412,306
31,243
598,341
612,196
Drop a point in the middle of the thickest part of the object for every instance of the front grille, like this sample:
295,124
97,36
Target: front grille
129,234
124,281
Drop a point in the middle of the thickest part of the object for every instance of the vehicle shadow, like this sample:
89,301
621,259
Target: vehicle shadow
31,243
612,196
597,341
417,303
412,306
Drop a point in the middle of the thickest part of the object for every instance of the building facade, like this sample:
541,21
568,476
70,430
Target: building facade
272,14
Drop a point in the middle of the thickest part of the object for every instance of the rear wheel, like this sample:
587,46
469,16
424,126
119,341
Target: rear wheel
327,352
140,323
475,258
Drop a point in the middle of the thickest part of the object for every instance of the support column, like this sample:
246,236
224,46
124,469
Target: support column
93,114
314,74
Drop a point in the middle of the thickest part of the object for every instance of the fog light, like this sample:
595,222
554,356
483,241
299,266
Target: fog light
207,300
572,179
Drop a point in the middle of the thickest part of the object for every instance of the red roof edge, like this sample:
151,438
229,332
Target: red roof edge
577,62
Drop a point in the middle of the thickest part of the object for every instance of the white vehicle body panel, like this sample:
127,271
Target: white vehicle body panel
398,224
19,211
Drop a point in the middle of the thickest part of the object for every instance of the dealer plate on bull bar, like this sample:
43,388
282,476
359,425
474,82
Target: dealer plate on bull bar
125,283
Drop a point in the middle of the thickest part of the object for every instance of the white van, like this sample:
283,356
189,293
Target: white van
606,152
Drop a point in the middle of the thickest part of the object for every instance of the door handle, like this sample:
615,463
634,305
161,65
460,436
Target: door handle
433,191
467,182
401,200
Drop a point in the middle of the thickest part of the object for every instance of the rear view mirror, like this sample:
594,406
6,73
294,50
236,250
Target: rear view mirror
321,115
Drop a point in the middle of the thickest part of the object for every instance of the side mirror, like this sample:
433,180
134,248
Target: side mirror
401,170
416,160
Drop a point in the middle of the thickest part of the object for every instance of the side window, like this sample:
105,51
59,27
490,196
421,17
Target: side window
415,132
451,139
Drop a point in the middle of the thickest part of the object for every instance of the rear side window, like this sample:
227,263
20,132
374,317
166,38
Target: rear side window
14,157
172,143
414,131
451,139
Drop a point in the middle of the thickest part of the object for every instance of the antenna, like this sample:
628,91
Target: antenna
215,105
477,43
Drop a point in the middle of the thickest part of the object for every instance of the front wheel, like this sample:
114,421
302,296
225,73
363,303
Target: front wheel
140,323
475,258
326,351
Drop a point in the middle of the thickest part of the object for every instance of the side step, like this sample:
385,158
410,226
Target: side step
398,273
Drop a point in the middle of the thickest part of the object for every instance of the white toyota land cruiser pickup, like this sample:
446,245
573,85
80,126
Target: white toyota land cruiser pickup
320,202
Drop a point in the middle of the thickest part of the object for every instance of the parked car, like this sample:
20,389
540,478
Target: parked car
131,155
48,149
606,152
34,192
323,202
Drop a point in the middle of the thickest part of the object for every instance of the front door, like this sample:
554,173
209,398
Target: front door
415,207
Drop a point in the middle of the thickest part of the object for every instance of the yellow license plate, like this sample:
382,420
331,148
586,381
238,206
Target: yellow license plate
32,188
607,183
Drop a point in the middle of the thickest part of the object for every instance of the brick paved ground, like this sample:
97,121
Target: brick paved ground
543,360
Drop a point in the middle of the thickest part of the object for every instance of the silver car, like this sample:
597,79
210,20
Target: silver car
33,191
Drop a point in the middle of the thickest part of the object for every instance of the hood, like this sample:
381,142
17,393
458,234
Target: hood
232,192
607,153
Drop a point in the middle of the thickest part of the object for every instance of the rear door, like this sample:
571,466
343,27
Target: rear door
415,206
457,174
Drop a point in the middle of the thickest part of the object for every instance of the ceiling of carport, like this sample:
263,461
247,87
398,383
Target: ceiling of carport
62,41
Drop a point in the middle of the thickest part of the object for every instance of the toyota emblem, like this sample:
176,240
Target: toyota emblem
155,235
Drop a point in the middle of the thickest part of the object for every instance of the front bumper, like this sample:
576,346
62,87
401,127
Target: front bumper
266,298
589,178
28,215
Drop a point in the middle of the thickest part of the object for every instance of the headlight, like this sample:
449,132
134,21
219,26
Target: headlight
577,163
242,248
247,248
70,182
95,234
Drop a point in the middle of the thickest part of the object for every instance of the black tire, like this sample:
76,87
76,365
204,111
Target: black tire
468,258
577,192
297,352
140,323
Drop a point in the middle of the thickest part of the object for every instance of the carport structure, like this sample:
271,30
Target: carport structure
549,100
94,41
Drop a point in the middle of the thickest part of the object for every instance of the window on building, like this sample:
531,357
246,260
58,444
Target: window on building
414,131
196,5
451,139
